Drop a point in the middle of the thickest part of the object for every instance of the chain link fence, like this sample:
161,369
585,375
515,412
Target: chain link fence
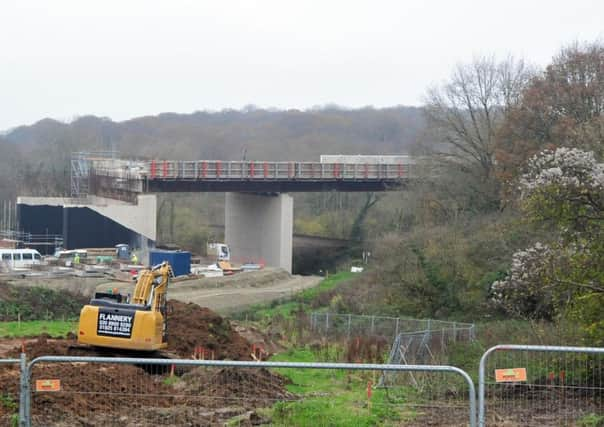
348,326
518,385
541,386
92,391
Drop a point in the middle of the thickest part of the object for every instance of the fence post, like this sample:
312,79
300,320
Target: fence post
372,325
396,327
326,322
24,415
481,386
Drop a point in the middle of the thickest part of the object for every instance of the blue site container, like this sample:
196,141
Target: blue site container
179,260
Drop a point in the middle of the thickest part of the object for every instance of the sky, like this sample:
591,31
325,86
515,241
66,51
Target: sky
128,58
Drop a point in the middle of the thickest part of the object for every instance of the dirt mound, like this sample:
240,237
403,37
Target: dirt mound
105,380
269,343
251,387
44,345
191,326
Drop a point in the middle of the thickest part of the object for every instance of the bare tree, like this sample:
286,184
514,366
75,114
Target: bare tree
466,111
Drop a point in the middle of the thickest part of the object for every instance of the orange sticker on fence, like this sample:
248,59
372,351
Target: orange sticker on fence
48,385
510,375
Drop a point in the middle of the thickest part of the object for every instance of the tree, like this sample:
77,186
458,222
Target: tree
564,191
468,110
564,106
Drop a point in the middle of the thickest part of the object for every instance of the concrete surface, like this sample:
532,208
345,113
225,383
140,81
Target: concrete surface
259,228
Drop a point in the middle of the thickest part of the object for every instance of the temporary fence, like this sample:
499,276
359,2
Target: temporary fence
518,385
541,386
146,392
338,325
10,387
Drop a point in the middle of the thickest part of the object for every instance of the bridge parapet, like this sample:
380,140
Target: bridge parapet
264,170
120,178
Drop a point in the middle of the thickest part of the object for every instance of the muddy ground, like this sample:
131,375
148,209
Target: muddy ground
189,327
138,395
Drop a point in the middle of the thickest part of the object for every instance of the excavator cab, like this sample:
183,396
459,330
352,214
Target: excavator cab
138,323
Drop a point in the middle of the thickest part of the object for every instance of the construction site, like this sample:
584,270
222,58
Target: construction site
102,323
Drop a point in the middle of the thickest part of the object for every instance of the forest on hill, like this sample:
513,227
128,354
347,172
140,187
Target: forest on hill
512,226
37,156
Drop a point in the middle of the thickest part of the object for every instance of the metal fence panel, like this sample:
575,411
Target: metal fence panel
541,386
10,386
143,392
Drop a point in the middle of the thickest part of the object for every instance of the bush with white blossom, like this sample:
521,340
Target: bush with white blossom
564,191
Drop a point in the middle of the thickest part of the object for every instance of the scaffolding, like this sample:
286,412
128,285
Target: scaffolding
81,164
44,243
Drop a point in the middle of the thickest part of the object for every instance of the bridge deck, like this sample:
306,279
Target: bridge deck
247,176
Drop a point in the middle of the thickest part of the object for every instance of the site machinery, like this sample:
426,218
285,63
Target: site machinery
136,323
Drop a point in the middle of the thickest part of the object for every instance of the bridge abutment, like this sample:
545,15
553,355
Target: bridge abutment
259,227
92,222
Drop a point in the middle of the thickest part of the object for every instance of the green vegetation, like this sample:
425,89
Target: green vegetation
35,303
591,420
335,397
32,328
8,403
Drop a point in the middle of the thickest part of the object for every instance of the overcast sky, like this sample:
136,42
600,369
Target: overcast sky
127,58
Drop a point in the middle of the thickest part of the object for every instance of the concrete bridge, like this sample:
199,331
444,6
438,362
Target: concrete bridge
258,208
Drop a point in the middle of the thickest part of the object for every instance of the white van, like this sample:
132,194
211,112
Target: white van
19,258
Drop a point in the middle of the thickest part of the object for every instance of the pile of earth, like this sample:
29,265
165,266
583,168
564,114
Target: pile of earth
107,394
98,394
189,327
87,390
250,387
268,342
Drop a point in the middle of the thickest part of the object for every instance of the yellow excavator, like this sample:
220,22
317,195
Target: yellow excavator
138,323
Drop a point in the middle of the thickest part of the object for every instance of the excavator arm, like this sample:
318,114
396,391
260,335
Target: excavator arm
151,285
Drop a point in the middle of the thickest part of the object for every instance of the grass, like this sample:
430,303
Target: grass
31,328
336,397
287,308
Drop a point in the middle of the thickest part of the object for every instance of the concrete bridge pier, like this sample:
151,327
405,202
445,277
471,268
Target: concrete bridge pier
260,227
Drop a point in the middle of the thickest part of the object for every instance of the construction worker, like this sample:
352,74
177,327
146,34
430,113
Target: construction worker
134,258
76,258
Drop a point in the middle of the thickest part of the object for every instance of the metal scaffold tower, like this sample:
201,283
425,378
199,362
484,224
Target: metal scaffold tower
81,163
